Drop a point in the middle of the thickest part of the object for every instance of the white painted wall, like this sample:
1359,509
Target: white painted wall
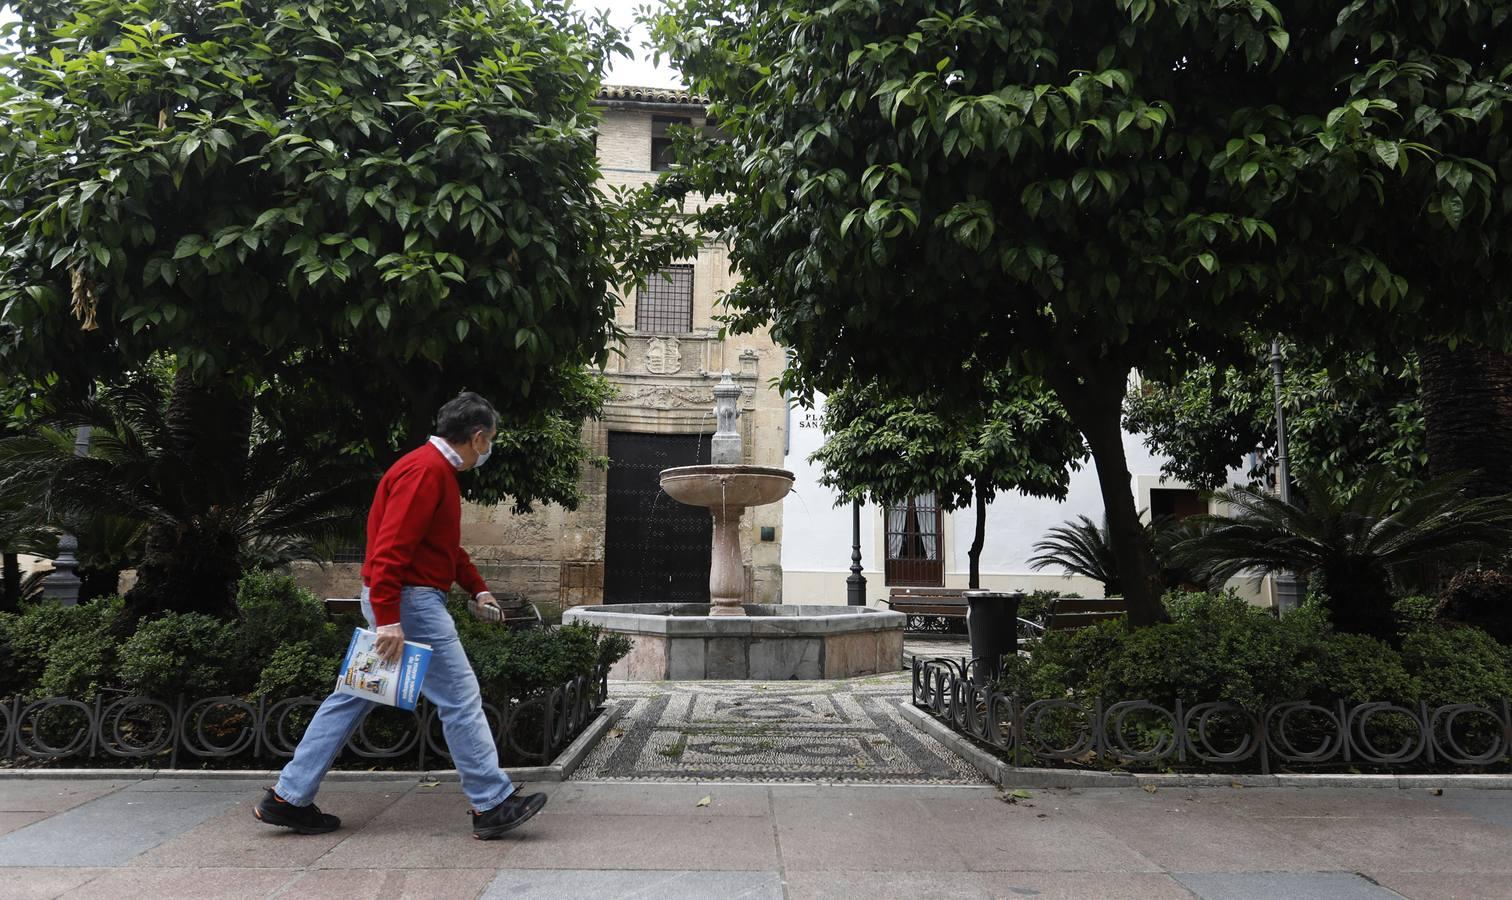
816,540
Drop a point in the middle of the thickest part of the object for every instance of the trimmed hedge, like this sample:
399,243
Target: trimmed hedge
280,645
1217,647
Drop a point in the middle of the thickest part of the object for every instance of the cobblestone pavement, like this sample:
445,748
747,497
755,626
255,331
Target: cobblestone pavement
772,731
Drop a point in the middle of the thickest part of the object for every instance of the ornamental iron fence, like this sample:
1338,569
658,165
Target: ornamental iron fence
532,730
1142,733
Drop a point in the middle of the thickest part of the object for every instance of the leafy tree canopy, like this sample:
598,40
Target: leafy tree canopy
369,202
1086,189
1348,421
887,450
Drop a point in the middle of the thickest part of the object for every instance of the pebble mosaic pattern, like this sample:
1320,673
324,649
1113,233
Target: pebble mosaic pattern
783,731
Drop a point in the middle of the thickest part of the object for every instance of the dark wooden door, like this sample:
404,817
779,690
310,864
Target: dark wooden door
656,550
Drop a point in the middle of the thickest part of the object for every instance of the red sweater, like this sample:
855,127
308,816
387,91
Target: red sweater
414,533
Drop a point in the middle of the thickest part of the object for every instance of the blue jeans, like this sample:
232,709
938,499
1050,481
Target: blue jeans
449,685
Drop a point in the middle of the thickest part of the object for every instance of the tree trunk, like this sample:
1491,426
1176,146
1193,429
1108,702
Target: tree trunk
979,538
1467,402
1095,405
192,563
10,599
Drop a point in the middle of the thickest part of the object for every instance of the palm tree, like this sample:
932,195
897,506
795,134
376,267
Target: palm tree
273,505
1081,547
1384,541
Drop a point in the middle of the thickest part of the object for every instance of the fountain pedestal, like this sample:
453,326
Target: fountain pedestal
726,491
726,574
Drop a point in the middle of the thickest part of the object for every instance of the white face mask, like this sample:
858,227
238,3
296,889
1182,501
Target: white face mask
483,457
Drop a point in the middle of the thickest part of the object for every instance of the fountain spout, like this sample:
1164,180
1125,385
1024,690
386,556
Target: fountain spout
724,448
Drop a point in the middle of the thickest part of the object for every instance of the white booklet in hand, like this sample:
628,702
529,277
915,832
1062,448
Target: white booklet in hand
367,675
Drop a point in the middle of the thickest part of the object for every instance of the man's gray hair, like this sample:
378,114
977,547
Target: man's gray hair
464,416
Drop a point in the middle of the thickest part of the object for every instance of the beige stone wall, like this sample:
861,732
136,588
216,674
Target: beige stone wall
665,384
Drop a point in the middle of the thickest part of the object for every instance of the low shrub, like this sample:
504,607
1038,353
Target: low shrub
64,650
1482,598
273,611
1219,648
1458,664
300,669
181,653
517,664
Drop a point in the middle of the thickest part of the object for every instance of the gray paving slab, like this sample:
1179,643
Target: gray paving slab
712,843
851,884
14,821
17,795
1445,885
43,883
622,884
421,830
207,785
1291,885
1494,807
236,838
183,884
715,799
388,884
111,830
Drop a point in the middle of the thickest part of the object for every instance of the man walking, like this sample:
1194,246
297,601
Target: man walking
414,554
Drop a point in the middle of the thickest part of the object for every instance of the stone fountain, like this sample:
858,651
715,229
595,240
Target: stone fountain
726,638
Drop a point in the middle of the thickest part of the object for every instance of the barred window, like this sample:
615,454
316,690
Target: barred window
664,303
914,554
661,142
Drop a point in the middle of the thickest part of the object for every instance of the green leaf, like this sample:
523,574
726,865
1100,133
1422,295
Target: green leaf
462,328
1280,38
383,314
1453,208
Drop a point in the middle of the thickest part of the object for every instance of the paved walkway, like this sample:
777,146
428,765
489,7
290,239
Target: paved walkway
774,731
196,839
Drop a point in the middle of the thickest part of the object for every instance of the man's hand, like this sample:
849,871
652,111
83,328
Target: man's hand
390,643
487,599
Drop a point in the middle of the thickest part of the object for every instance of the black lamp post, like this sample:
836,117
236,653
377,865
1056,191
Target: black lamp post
62,584
855,585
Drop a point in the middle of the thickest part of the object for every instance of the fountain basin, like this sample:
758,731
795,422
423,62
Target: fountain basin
715,486
770,642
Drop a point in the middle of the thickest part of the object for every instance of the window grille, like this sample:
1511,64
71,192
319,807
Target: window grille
664,303
914,543
661,142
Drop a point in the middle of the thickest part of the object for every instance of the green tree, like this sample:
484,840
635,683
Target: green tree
885,450
1345,421
277,503
1384,542
1090,189
368,203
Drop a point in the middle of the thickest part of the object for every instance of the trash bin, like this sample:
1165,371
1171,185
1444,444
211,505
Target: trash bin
992,623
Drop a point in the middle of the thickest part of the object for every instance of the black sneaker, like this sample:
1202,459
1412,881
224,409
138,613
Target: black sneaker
274,810
513,812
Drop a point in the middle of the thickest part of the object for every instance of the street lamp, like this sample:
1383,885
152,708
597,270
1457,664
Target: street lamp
1288,585
62,584
855,585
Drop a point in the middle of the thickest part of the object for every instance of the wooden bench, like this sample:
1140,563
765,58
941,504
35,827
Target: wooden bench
514,610
1072,613
931,609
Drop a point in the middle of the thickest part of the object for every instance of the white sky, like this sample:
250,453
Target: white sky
638,71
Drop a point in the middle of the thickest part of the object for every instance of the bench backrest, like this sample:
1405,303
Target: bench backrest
1072,613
